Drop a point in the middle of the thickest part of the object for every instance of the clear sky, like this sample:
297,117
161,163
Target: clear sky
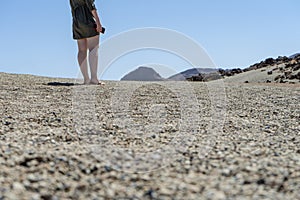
36,35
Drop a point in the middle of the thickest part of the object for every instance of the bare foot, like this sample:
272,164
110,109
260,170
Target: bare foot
86,82
96,82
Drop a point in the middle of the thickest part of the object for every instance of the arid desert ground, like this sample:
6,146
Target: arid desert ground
155,140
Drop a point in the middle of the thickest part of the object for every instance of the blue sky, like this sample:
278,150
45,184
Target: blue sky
36,36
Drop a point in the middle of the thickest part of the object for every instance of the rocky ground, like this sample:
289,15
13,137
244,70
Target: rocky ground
133,140
280,70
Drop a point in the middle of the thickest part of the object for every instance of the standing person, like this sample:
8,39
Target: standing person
86,30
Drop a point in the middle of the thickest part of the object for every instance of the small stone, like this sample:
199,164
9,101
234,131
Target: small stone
258,152
219,195
36,197
33,178
33,163
166,191
151,194
107,168
49,197
261,181
156,156
226,172
18,186
110,193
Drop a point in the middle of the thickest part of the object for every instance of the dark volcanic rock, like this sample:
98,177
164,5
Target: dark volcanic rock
288,68
143,74
205,77
267,62
296,67
199,78
230,72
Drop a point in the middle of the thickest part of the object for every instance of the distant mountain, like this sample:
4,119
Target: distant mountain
294,56
182,76
143,74
279,70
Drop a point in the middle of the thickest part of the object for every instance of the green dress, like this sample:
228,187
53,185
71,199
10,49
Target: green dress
84,25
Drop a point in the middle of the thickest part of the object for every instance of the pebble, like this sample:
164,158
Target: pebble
18,187
219,195
226,172
33,178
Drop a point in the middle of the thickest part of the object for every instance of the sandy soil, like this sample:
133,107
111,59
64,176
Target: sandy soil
131,140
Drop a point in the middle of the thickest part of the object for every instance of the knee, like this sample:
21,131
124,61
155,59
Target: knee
82,51
94,48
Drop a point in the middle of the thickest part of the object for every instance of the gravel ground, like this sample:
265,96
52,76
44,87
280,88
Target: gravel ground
132,140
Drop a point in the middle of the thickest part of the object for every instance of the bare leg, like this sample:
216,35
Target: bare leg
93,46
82,59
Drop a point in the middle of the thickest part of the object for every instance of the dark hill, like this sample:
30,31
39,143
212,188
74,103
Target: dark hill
143,74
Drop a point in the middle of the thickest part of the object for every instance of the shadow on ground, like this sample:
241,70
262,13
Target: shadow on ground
61,84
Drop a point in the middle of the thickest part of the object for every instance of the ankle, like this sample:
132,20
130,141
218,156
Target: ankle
86,81
94,79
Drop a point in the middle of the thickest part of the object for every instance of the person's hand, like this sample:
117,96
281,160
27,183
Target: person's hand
99,28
